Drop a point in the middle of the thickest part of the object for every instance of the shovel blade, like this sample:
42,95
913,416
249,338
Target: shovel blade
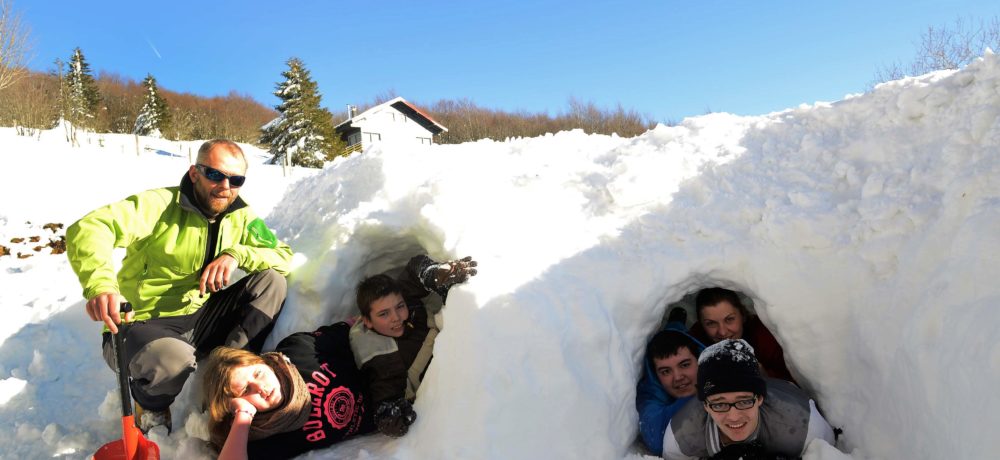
132,446
115,450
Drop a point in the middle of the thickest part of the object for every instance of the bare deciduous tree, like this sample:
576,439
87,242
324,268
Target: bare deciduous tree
467,121
946,47
30,104
15,45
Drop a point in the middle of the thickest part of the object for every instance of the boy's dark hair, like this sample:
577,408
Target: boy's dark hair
668,343
712,296
373,288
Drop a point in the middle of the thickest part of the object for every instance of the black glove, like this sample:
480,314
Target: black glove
678,315
394,417
409,415
752,450
439,277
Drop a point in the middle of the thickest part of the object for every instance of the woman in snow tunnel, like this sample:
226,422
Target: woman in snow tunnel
721,315
308,393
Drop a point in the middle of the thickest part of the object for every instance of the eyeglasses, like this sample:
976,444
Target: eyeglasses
742,404
215,175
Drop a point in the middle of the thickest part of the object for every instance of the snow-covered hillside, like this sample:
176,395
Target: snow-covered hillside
867,232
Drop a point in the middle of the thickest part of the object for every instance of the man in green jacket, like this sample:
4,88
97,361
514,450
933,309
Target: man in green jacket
183,245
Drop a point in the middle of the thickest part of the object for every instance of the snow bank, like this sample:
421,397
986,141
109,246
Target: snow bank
865,231
47,179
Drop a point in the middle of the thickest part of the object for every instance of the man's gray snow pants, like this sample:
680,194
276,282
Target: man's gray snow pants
163,352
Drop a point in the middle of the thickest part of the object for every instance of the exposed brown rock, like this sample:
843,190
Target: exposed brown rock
58,247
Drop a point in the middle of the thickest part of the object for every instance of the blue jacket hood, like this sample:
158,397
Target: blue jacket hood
654,405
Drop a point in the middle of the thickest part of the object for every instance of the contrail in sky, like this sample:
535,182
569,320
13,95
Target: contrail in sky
154,49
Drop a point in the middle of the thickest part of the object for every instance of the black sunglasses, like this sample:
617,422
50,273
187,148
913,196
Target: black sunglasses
215,175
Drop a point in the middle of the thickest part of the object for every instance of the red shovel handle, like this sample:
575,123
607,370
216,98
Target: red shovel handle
133,445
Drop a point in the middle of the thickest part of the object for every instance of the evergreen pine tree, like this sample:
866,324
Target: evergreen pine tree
62,101
154,118
82,96
303,131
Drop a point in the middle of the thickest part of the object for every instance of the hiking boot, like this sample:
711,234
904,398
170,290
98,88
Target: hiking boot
145,420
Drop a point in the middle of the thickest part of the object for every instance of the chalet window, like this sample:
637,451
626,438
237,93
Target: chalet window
371,137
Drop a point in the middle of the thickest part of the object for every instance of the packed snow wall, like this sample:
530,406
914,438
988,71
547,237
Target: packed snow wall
866,231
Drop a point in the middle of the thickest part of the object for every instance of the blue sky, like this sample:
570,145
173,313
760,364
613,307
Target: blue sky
666,59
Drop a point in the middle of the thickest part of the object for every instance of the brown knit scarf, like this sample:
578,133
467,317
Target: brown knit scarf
290,415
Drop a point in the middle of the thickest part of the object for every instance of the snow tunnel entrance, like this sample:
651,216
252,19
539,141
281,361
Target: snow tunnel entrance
725,313
389,255
323,290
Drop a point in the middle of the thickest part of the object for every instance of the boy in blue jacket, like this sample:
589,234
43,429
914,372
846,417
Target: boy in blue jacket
669,381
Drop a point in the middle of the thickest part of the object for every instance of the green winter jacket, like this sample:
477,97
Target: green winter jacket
167,241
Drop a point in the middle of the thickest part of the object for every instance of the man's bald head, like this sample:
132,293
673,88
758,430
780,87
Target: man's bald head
222,145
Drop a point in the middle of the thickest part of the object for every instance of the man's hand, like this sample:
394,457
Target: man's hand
104,307
454,272
216,275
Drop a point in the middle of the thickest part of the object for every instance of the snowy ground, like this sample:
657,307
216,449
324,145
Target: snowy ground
867,232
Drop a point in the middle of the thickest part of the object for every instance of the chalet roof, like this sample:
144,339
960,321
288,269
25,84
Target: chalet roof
401,105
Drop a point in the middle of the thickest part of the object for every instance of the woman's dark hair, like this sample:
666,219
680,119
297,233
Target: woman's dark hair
373,288
712,296
668,343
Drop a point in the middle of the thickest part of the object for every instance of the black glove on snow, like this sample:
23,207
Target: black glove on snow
394,417
440,277
408,414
